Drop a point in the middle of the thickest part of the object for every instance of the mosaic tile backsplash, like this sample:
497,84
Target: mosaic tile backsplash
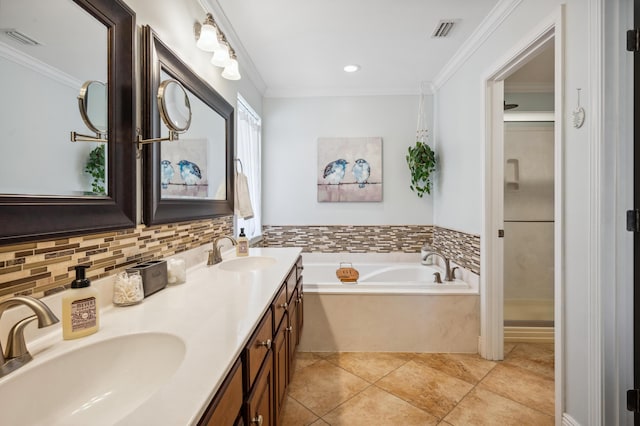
349,238
41,268
460,247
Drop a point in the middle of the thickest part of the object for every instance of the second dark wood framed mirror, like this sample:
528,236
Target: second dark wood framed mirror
191,178
51,197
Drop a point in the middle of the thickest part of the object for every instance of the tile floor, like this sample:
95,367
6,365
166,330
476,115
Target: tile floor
364,388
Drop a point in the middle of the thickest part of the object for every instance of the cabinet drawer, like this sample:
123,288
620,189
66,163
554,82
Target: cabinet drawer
258,347
279,306
226,405
292,281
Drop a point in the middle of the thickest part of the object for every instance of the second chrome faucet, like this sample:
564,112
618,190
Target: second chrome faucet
215,256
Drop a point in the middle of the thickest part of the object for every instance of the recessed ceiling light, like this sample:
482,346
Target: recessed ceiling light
351,68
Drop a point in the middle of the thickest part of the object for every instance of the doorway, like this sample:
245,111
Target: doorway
528,207
492,294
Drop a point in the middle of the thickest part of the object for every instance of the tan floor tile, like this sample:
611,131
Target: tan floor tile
295,414
373,406
323,354
522,386
468,367
508,347
426,388
369,366
443,423
482,407
320,422
322,386
536,357
305,359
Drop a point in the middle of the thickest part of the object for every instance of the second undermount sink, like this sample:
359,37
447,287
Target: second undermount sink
250,263
98,384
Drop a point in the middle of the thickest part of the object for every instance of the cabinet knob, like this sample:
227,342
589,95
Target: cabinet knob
285,305
289,329
257,420
266,344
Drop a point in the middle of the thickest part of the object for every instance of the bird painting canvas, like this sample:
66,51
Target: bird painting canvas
183,169
349,169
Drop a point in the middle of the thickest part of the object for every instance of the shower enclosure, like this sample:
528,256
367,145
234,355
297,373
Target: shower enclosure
528,231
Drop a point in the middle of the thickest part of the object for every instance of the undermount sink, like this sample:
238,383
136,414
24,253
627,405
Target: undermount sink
250,263
96,384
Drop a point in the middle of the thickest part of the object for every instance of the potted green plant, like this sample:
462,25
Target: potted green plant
422,163
95,168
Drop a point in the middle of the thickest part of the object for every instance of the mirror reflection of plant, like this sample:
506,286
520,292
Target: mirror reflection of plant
422,163
95,167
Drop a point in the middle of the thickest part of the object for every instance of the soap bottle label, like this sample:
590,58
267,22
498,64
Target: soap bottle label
243,247
83,314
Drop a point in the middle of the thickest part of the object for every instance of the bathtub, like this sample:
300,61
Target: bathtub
394,307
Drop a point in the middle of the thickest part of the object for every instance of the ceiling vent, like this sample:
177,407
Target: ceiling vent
19,37
443,28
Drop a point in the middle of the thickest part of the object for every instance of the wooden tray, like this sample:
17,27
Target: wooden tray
346,273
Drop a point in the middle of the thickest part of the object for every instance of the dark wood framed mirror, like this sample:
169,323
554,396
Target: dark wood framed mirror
30,216
159,204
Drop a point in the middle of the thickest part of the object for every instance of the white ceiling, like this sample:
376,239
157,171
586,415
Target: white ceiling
299,48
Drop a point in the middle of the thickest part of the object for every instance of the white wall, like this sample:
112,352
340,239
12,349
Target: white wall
291,127
458,200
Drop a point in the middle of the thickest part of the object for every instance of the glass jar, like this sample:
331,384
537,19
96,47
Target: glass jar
128,289
176,271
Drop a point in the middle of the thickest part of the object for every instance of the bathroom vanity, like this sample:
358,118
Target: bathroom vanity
216,350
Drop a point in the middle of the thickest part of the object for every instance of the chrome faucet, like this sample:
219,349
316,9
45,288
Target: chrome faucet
447,266
215,256
17,354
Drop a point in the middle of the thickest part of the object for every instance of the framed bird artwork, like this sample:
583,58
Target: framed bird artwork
350,169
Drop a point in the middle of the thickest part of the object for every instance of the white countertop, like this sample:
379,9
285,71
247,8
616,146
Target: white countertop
214,313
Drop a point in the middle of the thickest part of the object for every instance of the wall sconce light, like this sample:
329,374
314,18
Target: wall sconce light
211,39
231,71
208,40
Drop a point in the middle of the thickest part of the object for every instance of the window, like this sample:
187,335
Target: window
248,151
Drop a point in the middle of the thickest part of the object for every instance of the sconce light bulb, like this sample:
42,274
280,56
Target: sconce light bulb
231,71
208,40
221,56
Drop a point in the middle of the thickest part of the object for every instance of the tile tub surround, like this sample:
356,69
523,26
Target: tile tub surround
389,389
393,323
460,247
349,238
44,267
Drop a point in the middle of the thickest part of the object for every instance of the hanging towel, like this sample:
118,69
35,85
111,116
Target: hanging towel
243,202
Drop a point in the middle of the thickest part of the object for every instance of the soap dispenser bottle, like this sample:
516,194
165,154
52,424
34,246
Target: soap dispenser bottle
242,248
80,309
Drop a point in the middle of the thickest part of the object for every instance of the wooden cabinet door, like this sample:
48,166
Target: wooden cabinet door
300,310
293,333
281,365
226,405
259,407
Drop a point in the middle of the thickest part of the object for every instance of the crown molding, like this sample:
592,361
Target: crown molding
21,58
489,24
244,60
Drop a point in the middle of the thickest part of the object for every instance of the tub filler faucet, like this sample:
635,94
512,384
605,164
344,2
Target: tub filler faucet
447,266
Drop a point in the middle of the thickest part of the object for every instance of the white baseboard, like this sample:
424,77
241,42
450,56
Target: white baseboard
529,334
